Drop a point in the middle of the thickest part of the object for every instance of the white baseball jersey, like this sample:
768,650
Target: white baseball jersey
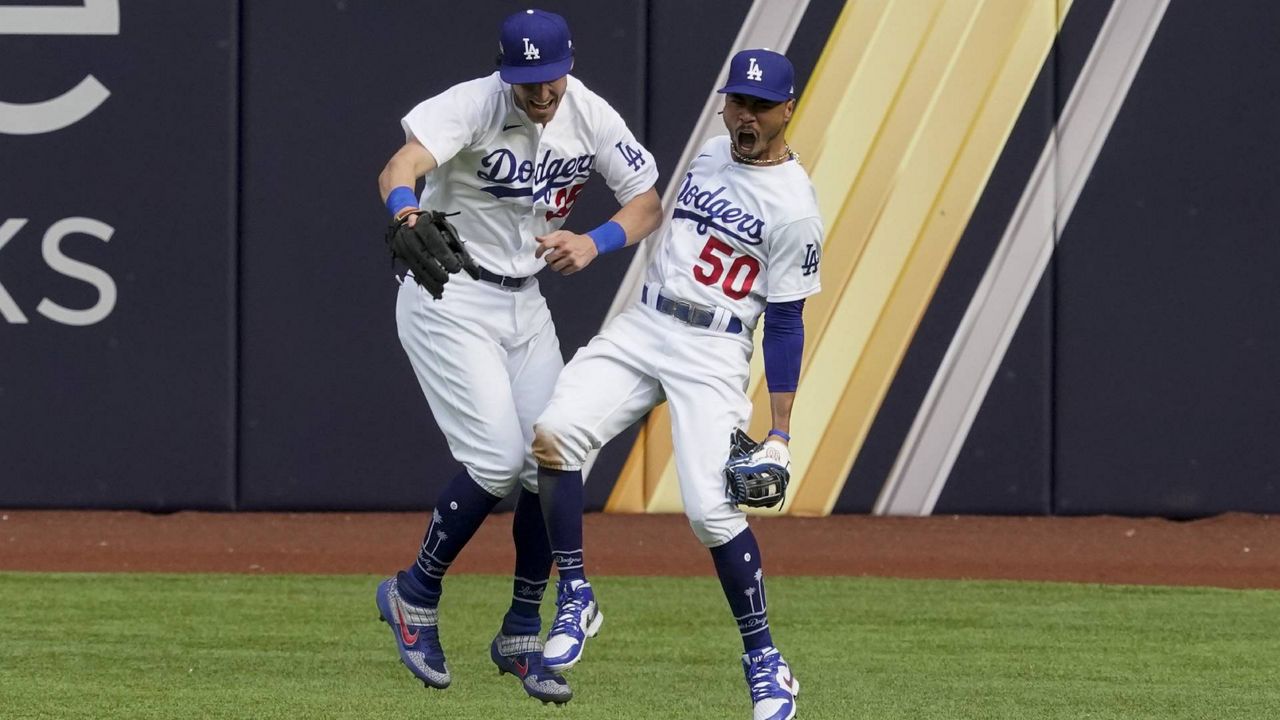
486,356
513,179
740,236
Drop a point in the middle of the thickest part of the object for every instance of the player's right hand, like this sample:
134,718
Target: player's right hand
566,252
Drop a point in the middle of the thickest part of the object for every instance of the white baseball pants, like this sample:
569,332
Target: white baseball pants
639,359
487,359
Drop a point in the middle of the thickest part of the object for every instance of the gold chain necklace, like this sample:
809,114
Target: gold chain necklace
787,154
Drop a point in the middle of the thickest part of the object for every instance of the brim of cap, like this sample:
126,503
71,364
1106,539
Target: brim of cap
754,91
529,74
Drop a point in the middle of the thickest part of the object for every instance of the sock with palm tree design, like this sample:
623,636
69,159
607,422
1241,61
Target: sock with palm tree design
742,577
460,510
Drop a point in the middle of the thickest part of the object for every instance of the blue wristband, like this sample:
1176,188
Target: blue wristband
780,434
609,237
401,198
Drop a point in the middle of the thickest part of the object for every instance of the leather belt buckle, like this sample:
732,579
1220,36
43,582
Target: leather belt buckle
683,311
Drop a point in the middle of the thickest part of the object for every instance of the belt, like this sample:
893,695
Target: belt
515,283
686,312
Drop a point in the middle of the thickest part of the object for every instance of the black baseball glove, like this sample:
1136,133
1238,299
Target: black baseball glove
756,474
431,249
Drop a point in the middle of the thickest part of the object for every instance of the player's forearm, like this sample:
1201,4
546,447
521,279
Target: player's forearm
405,167
783,348
631,224
395,175
780,407
641,216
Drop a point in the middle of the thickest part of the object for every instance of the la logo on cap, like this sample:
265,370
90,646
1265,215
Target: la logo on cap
531,51
754,72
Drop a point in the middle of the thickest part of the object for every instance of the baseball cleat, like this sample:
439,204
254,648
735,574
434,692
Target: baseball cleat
521,655
577,618
773,687
417,636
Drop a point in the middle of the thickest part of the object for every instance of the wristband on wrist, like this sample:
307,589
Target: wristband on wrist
779,433
608,237
400,198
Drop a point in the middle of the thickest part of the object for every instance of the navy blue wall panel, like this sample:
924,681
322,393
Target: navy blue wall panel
1004,466
331,414
1167,351
124,398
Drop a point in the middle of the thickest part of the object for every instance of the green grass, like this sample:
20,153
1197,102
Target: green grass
217,646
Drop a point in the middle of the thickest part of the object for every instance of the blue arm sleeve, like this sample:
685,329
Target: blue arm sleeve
783,344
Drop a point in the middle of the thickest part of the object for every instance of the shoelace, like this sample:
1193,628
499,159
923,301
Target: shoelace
570,610
764,680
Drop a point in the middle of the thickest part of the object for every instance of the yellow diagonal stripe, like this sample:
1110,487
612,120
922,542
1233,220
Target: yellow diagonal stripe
957,109
900,127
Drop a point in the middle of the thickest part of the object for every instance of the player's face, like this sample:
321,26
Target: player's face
756,125
540,100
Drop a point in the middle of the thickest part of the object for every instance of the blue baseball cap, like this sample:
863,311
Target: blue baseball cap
536,48
761,73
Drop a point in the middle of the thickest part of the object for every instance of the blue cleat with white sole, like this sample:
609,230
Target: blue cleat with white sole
578,617
773,687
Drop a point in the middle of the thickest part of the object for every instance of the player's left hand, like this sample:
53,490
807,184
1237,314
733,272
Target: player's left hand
566,252
428,244
757,474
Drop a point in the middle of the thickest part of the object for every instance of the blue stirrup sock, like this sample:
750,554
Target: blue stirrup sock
460,510
533,566
742,578
561,494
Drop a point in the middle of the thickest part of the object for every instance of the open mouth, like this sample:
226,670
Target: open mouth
543,106
745,140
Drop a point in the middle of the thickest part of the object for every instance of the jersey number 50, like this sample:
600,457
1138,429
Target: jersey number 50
740,276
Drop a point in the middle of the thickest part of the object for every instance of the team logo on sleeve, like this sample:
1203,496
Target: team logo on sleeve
810,264
634,158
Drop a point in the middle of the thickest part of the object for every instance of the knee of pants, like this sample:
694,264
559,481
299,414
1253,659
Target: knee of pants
557,446
498,474
716,531
529,477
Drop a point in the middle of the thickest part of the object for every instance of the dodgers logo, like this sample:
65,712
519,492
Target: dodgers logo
709,210
754,72
513,177
810,264
634,158
531,51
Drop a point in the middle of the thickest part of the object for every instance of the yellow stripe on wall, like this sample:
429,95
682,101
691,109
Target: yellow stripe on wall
900,127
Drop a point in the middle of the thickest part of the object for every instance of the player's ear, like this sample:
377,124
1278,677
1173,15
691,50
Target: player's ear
790,109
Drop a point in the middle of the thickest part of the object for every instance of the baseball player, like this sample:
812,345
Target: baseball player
508,153
744,238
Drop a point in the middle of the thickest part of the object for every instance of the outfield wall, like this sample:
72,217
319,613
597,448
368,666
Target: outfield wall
197,305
